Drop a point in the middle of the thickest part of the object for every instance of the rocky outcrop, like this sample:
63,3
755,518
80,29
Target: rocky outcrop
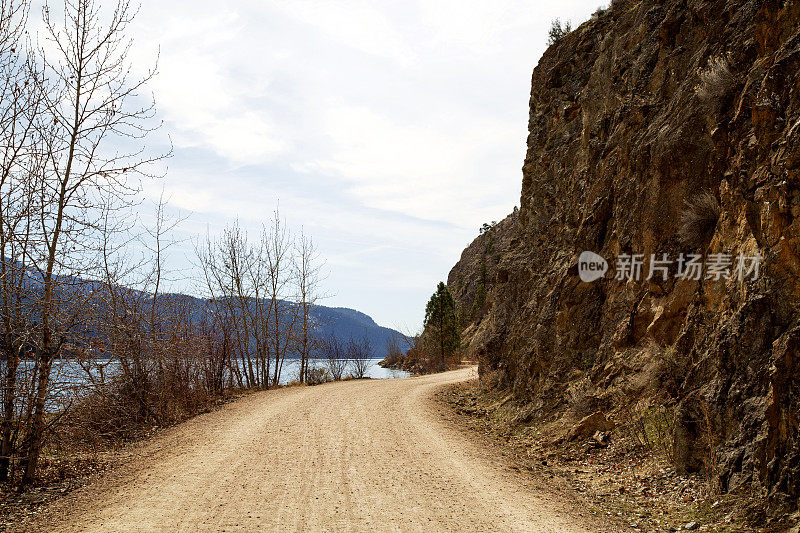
644,108
472,279
470,282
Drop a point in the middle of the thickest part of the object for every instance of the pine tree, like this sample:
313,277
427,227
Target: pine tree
442,324
558,31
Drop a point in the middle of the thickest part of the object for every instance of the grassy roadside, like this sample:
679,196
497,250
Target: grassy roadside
619,479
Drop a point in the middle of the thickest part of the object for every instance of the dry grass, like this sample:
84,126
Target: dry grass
710,459
629,482
716,80
699,220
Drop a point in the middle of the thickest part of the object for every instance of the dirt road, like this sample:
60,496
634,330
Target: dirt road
371,455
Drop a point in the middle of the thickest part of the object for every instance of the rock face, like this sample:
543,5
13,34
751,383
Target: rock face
645,107
473,278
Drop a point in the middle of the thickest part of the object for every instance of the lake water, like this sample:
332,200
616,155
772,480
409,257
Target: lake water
68,376
291,368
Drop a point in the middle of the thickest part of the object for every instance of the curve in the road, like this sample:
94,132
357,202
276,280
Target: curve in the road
369,455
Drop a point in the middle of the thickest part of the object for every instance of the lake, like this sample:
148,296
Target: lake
68,375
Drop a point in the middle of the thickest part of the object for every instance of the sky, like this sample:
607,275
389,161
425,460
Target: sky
389,131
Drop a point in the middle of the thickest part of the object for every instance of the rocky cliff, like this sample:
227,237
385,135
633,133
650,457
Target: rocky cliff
658,127
472,279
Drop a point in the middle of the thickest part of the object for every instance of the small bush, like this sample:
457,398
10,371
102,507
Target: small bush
359,353
120,410
716,80
558,31
699,220
651,428
487,227
317,376
672,371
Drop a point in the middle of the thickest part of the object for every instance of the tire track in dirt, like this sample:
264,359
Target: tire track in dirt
353,456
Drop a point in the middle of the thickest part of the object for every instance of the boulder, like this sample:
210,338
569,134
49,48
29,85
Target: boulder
596,422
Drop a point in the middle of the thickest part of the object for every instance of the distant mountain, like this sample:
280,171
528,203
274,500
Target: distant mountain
347,323
342,322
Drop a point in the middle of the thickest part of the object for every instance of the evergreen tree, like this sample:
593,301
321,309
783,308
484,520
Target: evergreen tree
558,31
442,324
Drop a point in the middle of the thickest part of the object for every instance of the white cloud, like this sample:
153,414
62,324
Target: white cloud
202,99
410,168
357,24
391,131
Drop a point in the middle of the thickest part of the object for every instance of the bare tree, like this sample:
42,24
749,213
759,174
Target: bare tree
167,362
283,315
68,109
335,356
308,274
90,100
20,102
164,310
121,312
217,348
252,287
359,353
228,266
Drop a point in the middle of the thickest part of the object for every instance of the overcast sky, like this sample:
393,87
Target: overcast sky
389,130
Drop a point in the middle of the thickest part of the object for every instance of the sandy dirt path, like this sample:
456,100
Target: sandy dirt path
371,455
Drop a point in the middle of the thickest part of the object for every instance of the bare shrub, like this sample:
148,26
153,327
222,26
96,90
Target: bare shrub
394,352
317,376
716,80
651,427
119,408
359,353
699,219
425,358
710,467
671,367
335,357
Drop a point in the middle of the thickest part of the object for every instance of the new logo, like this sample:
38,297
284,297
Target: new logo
591,267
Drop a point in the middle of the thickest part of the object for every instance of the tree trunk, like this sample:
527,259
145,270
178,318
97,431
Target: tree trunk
36,436
12,362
